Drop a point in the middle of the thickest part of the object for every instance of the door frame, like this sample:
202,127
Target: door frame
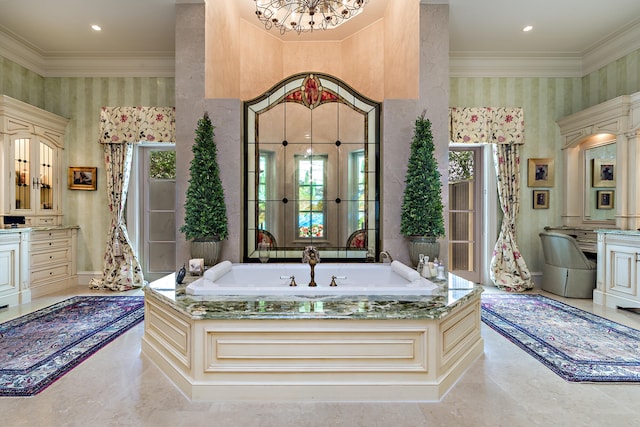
136,199
487,207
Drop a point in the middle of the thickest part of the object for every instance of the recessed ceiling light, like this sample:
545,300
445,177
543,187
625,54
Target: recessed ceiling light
95,27
527,28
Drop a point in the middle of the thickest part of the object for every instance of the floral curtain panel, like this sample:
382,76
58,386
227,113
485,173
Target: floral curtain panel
503,127
120,129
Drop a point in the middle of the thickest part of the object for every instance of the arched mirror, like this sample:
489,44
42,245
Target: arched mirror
311,171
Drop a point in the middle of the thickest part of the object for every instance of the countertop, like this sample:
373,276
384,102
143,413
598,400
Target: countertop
451,294
24,229
620,232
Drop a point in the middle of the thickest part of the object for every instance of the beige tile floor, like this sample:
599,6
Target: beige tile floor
118,386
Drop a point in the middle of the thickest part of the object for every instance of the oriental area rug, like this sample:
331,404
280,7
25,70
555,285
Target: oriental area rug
576,345
38,348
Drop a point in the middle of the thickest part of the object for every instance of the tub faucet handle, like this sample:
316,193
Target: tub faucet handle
293,281
385,256
333,281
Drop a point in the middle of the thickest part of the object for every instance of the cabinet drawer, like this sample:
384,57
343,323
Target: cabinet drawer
56,272
49,245
43,221
50,257
38,236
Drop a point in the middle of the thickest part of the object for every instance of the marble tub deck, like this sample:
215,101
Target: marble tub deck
311,345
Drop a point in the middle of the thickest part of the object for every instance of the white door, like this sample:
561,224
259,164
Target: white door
151,209
473,216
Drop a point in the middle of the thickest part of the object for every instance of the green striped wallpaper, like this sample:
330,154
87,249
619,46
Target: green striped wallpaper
544,101
80,100
621,77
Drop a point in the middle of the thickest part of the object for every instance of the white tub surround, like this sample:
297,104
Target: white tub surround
618,276
297,347
226,278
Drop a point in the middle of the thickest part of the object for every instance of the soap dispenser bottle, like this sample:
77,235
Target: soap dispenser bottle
420,266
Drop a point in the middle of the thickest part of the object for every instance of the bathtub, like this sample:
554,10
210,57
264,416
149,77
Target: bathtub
274,279
286,348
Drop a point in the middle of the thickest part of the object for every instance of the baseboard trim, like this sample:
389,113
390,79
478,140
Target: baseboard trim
84,277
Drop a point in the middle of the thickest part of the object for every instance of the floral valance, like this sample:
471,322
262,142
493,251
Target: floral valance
120,125
499,125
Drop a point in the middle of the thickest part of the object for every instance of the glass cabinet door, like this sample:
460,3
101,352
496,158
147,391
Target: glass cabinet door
22,166
44,182
34,165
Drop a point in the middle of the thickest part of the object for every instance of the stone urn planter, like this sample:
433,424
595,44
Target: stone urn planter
426,245
209,250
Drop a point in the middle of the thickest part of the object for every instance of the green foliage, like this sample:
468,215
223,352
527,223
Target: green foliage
162,164
460,166
421,213
205,209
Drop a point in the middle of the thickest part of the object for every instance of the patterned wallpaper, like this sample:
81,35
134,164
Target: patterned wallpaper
20,83
621,77
80,100
544,101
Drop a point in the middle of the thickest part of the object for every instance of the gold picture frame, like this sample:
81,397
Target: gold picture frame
541,172
540,199
604,199
83,178
603,172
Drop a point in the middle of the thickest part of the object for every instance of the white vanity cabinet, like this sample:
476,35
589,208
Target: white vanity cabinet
14,267
618,274
32,143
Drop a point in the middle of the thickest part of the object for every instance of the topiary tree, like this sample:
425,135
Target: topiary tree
205,208
422,204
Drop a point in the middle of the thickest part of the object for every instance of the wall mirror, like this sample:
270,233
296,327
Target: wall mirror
311,164
599,180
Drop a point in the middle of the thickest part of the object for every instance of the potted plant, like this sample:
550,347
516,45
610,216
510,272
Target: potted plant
205,208
421,219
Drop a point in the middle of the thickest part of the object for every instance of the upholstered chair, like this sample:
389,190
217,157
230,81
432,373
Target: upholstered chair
567,271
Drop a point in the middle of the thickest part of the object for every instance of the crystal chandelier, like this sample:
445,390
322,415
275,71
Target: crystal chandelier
306,15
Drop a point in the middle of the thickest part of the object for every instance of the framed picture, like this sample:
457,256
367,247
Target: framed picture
540,199
540,173
605,199
83,178
604,172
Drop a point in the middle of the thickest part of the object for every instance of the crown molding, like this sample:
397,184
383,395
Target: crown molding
128,65
511,64
622,42
21,52
568,64
85,65
462,64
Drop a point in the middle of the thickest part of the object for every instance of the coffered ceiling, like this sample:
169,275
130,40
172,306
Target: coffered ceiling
55,37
